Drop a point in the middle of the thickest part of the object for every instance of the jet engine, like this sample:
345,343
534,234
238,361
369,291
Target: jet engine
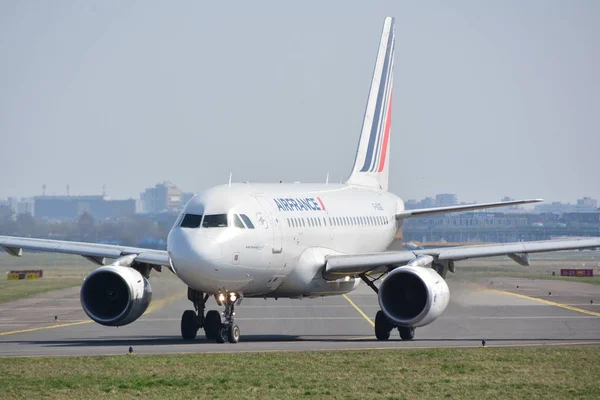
115,295
413,295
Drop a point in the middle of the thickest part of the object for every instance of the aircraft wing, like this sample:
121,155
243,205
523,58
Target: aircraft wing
467,207
339,266
94,252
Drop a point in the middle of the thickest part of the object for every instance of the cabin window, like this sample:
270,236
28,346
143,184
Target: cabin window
237,222
191,221
247,221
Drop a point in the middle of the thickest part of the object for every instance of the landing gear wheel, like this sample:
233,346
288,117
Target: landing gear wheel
383,327
406,333
233,333
222,335
212,325
189,325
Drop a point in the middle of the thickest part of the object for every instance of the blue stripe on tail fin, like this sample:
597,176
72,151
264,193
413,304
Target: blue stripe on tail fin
371,162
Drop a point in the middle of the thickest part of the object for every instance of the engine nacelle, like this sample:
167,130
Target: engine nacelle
413,296
115,295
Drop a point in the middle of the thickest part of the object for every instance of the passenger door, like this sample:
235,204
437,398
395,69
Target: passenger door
274,222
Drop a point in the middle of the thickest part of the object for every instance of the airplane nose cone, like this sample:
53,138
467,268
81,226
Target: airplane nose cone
191,249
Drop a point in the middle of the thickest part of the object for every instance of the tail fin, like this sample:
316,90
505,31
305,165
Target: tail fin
372,156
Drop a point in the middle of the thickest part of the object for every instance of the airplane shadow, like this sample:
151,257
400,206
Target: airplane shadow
178,341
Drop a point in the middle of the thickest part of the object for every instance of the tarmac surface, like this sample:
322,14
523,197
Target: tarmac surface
538,313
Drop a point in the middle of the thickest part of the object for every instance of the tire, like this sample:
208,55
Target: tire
189,326
222,335
233,333
407,333
383,327
212,324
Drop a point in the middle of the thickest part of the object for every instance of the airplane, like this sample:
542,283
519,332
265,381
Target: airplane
292,240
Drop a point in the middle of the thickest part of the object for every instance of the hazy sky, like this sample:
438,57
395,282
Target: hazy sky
491,98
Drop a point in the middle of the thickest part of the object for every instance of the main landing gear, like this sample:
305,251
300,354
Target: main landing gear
214,329
383,326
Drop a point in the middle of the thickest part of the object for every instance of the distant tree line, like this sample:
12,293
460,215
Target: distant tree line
140,230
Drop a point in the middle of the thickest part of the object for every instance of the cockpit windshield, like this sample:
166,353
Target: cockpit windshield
191,221
215,221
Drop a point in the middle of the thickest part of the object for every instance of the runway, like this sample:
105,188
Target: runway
536,314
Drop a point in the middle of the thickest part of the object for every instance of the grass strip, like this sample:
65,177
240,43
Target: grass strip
545,373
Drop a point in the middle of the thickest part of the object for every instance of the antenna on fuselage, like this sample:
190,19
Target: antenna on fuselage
327,179
230,174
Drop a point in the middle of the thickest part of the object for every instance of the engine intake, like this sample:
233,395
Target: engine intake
413,296
115,295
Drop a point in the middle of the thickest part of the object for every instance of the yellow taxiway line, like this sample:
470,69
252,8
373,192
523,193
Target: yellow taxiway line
548,302
154,306
361,312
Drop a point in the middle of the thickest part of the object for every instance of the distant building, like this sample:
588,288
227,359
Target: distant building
410,204
162,197
427,202
445,200
16,206
585,205
26,206
71,207
500,227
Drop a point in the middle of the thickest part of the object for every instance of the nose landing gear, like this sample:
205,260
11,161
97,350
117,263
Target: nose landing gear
214,329
229,330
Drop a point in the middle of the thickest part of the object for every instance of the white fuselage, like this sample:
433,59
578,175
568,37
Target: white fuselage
281,250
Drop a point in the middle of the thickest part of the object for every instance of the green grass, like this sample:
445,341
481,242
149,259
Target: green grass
60,271
395,374
542,266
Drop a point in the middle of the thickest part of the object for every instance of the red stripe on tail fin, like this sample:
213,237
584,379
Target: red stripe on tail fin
386,137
